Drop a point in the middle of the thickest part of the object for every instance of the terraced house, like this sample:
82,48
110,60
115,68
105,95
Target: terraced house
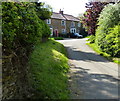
62,24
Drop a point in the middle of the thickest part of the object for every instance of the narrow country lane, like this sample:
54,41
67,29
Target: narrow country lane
91,76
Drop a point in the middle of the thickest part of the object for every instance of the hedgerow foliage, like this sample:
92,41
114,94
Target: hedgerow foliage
107,33
113,41
21,25
22,28
91,39
91,15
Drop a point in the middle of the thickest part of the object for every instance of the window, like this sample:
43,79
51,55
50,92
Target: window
79,24
72,24
48,21
73,30
63,31
63,22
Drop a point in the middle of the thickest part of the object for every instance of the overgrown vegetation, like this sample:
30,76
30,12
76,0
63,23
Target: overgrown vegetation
107,33
106,41
22,29
21,26
48,68
91,38
109,57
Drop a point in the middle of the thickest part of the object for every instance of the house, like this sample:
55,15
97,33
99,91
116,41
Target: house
62,24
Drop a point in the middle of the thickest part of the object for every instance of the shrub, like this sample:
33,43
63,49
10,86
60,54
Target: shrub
108,19
91,39
113,42
45,30
21,25
22,29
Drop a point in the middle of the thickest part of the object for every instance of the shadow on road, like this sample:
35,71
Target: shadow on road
84,85
75,54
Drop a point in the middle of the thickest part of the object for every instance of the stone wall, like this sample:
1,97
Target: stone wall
14,77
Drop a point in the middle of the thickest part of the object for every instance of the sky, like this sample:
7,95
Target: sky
72,7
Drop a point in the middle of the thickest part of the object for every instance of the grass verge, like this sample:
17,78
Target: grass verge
96,49
48,68
87,36
57,38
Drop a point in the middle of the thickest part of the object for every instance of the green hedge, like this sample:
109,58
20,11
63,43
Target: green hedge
21,25
91,38
113,41
21,30
107,32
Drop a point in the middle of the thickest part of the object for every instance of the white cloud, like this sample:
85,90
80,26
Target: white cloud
73,7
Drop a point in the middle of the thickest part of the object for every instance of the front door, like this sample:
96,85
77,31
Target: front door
56,32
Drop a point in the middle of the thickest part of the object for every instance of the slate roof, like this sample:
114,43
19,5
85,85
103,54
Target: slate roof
57,16
64,17
70,17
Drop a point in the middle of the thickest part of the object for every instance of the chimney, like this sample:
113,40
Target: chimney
61,12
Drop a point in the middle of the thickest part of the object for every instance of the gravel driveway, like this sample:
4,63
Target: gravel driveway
91,75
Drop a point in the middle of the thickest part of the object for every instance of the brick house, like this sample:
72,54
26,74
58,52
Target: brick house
62,24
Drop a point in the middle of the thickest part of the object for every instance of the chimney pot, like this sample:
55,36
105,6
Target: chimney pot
61,12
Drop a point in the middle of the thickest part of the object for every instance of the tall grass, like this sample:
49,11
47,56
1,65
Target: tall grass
109,57
48,68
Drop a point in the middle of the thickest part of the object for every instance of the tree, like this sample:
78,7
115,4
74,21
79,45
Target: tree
43,11
107,33
91,15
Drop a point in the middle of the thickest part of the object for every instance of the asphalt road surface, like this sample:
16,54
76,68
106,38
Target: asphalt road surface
91,76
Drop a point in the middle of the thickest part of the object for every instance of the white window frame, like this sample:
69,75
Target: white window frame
48,21
63,24
51,31
79,24
73,30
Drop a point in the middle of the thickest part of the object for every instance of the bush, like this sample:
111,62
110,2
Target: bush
22,29
113,42
21,24
109,18
91,39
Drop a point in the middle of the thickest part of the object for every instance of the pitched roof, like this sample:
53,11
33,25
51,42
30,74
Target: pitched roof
57,16
70,17
64,17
